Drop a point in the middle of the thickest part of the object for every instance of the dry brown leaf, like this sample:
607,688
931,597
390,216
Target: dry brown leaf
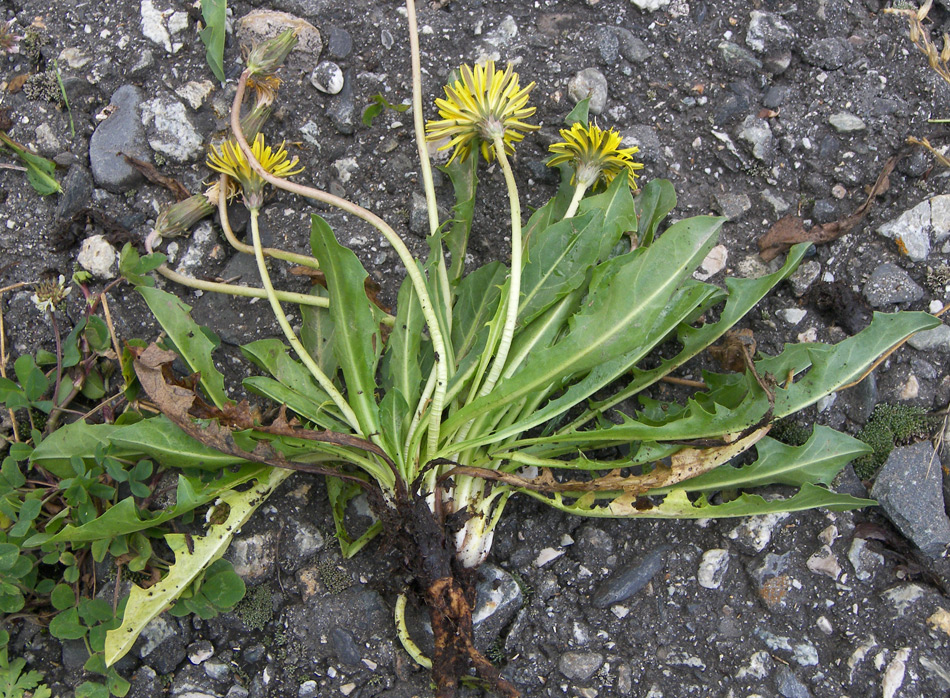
733,350
790,230
150,173
17,82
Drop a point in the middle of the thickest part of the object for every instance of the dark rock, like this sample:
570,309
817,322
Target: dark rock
608,44
342,109
145,684
829,148
825,211
74,654
915,164
162,643
254,653
789,685
777,62
848,482
890,284
122,132
632,48
768,32
580,666
738,60
344,646
497,599
909,489
628,580
776,96
828,54
858,402
339,41
77,192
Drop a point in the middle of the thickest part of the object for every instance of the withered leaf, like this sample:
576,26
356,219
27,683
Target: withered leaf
735,350
150,173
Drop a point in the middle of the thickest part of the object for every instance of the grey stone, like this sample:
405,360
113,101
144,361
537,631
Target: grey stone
77,192
260,25
732,206
825,211
937,339
846,122
339,41
253,556
644,137
768,32
890,284
776,96
498,598
74,654
859,401
342,108
145,683
777,62
910,491
163,641
912,228
121,132
589,82
307,689
216,670
608,44
758,134
738,59
254,653
789,685
804,277
632,48
327,77
170,130
580,666
386,39
628,580
344,646
361,611
828,54
201,651
419,215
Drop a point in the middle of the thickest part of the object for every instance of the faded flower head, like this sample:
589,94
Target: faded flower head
9,40
229,159
595,154
269,55
179,218
50,294
484,105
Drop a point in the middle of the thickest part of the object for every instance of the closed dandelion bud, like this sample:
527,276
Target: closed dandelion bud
179,218
268,56
254,121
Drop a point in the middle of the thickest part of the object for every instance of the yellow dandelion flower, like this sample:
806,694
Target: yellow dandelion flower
595,154
228,159
484,105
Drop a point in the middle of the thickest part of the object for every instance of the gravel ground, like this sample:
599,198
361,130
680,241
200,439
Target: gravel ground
754,111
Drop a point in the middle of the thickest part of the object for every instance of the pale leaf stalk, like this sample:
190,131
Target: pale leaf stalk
425,301
348,415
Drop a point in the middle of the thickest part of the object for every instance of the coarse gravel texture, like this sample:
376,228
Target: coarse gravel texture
752,110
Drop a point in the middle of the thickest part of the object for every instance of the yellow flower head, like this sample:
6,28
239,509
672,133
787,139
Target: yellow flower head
228,159
484,105
595,154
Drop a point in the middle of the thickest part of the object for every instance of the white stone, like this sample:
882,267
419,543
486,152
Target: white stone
824,562
792,316
756,531
712,568
504,33
327,77
714,263
650,5
155,633
913,228
170,132
911,389
195,92
177,22
894,674
547,555
345,168
934,307
153,25
809,335
864,560
74,58
845,122
824,403
824,625
904,596
98,257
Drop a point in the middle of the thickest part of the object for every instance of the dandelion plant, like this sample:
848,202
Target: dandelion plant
532,375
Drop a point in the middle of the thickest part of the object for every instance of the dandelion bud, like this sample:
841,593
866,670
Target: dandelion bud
268,56
254,121
179,218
